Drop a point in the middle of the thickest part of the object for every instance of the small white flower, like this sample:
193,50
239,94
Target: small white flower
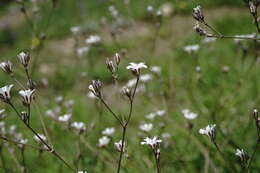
136,67
151,116
118,146
242,154
108,131
6,67
103,141
146,78
80,126
131,83
156,69
24,58
93,39
50,113
209,40
153,142
188,114
149,8
82,172
5,92
65,118
192,48
22,142
36,138
59,99
209,130
146,127
27,96
160,113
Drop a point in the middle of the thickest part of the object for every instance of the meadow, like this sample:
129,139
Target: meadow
129,86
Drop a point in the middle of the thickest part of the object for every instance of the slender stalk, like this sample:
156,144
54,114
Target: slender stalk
122,149
23,160
110,110
50,149
256,23
157,160
213,29
233,37
253,155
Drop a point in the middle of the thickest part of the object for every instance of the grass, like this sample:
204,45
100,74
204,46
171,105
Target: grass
226,99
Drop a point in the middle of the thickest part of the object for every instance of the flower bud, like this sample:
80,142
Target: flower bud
198,14
6,67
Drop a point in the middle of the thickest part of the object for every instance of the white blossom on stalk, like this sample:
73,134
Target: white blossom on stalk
103,141
65,118
6,66
147,127
209,130
80,126
108,131
136,67
242,154
191,48
118,146
27,96
188,114
24,58
37,139
93,39
152,142
5,92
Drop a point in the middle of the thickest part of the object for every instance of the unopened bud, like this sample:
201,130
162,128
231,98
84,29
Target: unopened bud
252,8
198,14
126,91
6,67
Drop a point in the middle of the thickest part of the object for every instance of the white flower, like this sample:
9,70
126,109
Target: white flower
27,96
36,138
191,48
24,58
22,142
82,172
108,131
146,127
2,111
81,51
166,135
156,69
65,118
103,141
80,126
118,146
149,8
160,113
153,142
188,114
209,130
242,154
93,39
131,83
5,92
6,66
75,30
59,99
209,40
136,67
50,113
146,78
151,116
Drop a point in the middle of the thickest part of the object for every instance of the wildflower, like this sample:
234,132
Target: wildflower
146,127
95,88
242,155
156,69
118,146
82,172
108,131
145,78
91,95
188,114
152,142
126,91
50,113
80,126
117,58
103,141
192,48
210,131
160,112
198,14
75,30
198,69
93,39
27,96
24,58
37,139
252,8
149,8
81,51
136,67
111,66
22,142
5,93
209,40
65,118
131,83
151,116
6,67
59,99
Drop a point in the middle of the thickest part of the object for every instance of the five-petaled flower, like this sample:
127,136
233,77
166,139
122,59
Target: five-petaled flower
27,96
24,58
6,66
209,130
136,67
5,93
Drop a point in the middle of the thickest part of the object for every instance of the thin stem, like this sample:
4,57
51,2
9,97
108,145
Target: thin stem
15,80
110,110
233,37
29,113
28,77
122,149
23,160
157,160
256,23
253,155
212,28
50,149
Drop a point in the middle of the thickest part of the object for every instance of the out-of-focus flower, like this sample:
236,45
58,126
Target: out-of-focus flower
6,66
156,69
37,139
27,96
192,48
149,8
24,58
81,51
146,78
136,67
93,39
80,126
209,40
2,114
75,30
108,131
5,93
151,116
188,114
118,146
147,127
103,141
65,118
160,113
